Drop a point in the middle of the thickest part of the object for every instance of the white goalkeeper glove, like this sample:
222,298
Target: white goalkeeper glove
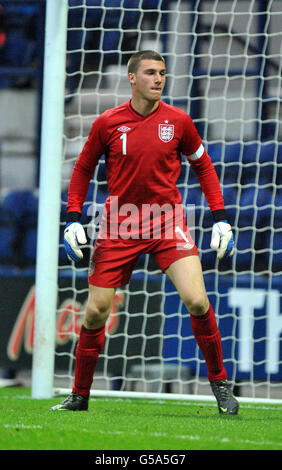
222,239
74,235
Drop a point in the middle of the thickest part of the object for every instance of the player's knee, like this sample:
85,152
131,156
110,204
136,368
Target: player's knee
96,314
198,305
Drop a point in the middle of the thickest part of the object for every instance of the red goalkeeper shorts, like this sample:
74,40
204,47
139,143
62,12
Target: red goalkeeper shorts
113,261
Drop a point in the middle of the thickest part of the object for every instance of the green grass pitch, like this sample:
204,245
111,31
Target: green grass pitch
123,424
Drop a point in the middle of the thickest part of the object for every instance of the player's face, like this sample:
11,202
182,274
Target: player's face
149,80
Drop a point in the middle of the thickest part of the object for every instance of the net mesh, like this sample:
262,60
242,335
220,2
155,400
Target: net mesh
224,69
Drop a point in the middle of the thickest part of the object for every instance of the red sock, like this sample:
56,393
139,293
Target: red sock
89,347
209,341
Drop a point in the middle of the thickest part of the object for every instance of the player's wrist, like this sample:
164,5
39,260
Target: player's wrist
73,217
219,215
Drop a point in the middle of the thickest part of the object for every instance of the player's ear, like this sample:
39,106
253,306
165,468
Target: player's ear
131,78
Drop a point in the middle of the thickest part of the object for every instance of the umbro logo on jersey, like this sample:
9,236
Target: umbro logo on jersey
123,129
166,132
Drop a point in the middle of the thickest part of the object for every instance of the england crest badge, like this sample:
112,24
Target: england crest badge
166,132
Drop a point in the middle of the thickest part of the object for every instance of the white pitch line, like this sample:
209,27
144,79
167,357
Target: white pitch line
182,437
196,437
23,426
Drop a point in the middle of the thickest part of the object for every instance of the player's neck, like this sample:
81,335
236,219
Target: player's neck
144,107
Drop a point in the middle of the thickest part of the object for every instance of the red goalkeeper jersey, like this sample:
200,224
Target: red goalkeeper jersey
143,158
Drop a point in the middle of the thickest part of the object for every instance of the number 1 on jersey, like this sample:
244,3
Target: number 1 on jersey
123,137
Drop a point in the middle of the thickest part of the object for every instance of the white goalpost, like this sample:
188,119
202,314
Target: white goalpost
224,69
49,199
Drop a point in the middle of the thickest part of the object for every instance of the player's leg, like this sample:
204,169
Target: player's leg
98,306
90,345
92,337
111,266
186,274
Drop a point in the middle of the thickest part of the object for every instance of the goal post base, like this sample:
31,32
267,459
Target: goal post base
164,396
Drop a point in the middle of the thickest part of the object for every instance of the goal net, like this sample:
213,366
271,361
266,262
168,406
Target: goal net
224,69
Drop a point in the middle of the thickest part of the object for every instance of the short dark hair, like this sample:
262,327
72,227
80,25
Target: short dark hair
136,58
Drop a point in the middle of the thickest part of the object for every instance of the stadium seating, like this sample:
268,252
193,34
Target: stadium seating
7,235
20,49
18,226
110,43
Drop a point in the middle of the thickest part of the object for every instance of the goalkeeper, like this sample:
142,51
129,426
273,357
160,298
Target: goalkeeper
142,140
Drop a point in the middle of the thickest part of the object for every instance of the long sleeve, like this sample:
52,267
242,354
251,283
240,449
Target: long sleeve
209,182
200,161
85,165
